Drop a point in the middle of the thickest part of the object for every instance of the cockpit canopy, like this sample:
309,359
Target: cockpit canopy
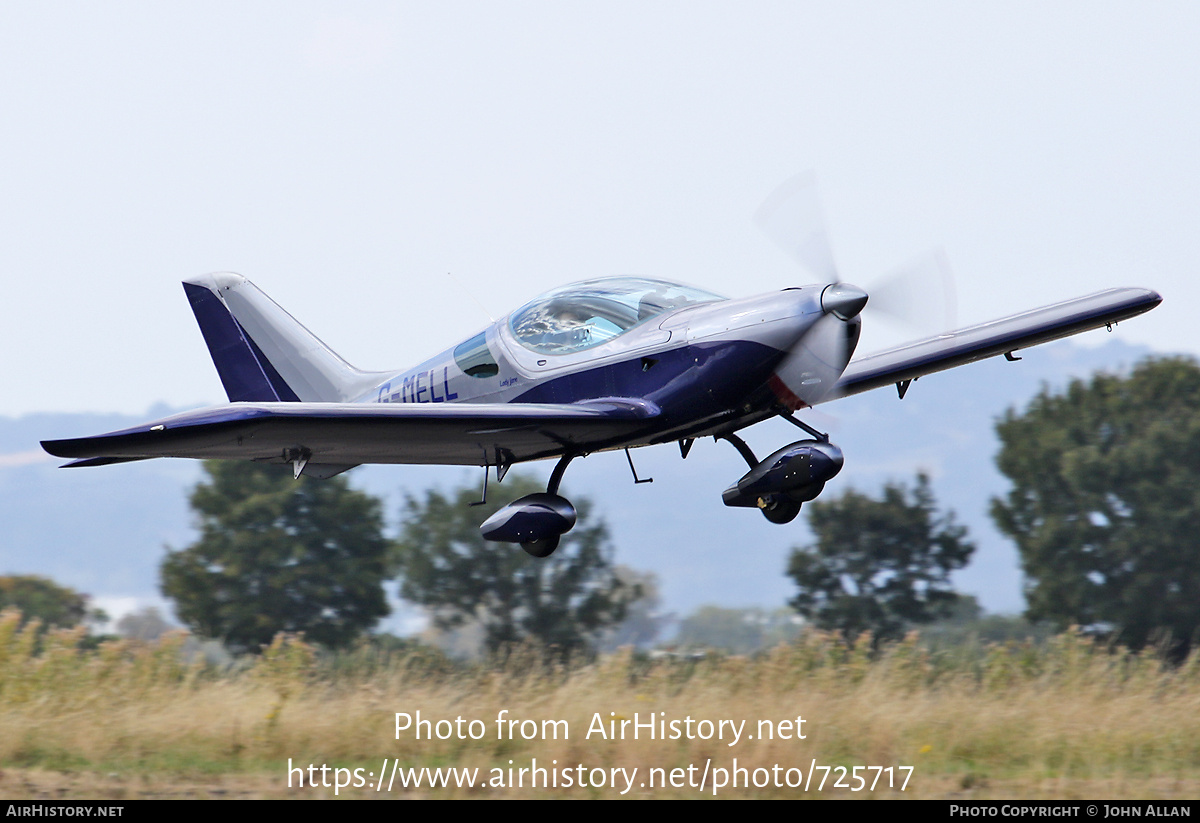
582,315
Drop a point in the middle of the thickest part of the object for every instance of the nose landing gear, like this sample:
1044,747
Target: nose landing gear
789,477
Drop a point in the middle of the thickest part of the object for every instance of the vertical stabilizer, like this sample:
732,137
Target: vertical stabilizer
262,353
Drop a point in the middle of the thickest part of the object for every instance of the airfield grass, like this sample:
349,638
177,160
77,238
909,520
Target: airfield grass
1066,719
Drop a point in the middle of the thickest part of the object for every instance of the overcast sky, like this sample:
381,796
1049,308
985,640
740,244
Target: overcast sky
346,156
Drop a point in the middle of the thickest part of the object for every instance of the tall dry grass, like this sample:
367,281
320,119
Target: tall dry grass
1068,718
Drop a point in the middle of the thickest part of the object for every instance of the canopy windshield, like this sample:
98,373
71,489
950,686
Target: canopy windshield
582,315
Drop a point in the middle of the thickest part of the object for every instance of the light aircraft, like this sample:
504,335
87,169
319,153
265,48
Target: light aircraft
599,365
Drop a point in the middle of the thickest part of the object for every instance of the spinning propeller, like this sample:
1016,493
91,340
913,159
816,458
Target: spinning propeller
918,295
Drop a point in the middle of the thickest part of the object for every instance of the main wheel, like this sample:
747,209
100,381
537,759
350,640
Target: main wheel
778,508
544,547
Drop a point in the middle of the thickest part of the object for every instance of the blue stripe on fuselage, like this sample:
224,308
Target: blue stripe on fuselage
688,382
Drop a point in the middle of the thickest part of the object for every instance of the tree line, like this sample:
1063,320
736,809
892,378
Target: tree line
1104,507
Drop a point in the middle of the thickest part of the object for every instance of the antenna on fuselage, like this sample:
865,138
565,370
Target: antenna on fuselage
465,291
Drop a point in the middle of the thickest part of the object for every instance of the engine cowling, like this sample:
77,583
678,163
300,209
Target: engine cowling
798,470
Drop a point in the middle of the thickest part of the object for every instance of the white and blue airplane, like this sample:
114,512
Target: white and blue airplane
600,365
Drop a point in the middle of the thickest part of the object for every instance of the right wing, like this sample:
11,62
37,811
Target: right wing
1018,331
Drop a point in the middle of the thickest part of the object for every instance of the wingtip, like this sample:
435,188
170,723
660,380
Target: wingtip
53,447
1146,299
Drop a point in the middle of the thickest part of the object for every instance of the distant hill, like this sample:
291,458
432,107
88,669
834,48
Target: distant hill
103,530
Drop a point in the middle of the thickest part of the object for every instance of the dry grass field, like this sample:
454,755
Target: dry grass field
1067,719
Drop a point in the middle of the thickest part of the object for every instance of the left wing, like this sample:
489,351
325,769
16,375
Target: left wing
331,437
1019,331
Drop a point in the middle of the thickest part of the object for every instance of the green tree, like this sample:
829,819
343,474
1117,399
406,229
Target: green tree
878,565
39,598
566,601
1105,504
279,555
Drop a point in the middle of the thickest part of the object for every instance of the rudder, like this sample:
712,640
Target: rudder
262,353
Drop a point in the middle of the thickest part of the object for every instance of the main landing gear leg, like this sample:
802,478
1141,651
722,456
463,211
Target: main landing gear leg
743,449
545,546
556,476
536,521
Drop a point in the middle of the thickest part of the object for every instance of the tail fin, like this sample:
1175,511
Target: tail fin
262,353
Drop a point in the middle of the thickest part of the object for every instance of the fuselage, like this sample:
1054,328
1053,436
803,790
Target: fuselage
706,361
603,364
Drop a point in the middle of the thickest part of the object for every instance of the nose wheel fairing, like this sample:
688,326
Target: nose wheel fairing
796,473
